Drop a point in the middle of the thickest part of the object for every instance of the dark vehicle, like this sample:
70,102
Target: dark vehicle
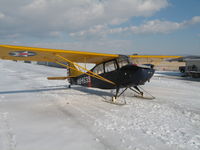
182,69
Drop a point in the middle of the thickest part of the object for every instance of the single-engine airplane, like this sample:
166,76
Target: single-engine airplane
110,72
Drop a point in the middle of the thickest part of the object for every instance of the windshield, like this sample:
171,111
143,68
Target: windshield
122,61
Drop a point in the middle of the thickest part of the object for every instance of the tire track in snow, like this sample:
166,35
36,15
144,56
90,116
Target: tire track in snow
78,115
158,128
119,124
110,127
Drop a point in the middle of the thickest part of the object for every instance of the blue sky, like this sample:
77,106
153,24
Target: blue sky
169,27
179,10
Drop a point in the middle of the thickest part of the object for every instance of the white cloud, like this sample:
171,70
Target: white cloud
2,16
96,31
130,8
194,20
55,34
100,46
40,17
149,27
157,26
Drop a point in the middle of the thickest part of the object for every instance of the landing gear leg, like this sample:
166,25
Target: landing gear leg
137,90
117,94
141,94
70,83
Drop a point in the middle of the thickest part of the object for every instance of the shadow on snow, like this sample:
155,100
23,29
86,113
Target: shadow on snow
90,91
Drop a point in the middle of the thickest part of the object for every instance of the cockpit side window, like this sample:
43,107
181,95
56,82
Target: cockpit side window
110,66
99,69
122,62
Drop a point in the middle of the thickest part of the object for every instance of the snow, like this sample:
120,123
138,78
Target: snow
39,114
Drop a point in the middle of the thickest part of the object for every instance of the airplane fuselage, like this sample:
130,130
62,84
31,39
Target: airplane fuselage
128,75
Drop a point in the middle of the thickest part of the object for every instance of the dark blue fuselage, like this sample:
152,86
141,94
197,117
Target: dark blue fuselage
126,76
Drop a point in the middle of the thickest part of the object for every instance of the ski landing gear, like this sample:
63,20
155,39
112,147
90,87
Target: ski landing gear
138,93
114,98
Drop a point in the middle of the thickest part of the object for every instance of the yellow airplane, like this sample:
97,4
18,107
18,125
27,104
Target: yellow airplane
111,71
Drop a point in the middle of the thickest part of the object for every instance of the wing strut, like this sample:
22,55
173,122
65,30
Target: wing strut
90,73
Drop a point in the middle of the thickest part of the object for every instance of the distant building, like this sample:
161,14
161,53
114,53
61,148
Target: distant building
51,64
160,64
192,67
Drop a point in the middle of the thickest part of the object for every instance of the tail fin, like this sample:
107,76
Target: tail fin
73,71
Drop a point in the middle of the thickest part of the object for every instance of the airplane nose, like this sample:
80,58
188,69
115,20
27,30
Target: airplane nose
150,73
146,75
135,75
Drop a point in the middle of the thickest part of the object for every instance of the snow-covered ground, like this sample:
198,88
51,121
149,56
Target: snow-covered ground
39,114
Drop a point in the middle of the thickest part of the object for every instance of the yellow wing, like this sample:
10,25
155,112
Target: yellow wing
51,55
159,61
151,59
71,57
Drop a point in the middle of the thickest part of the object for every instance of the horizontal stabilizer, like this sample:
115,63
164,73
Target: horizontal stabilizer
59,78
